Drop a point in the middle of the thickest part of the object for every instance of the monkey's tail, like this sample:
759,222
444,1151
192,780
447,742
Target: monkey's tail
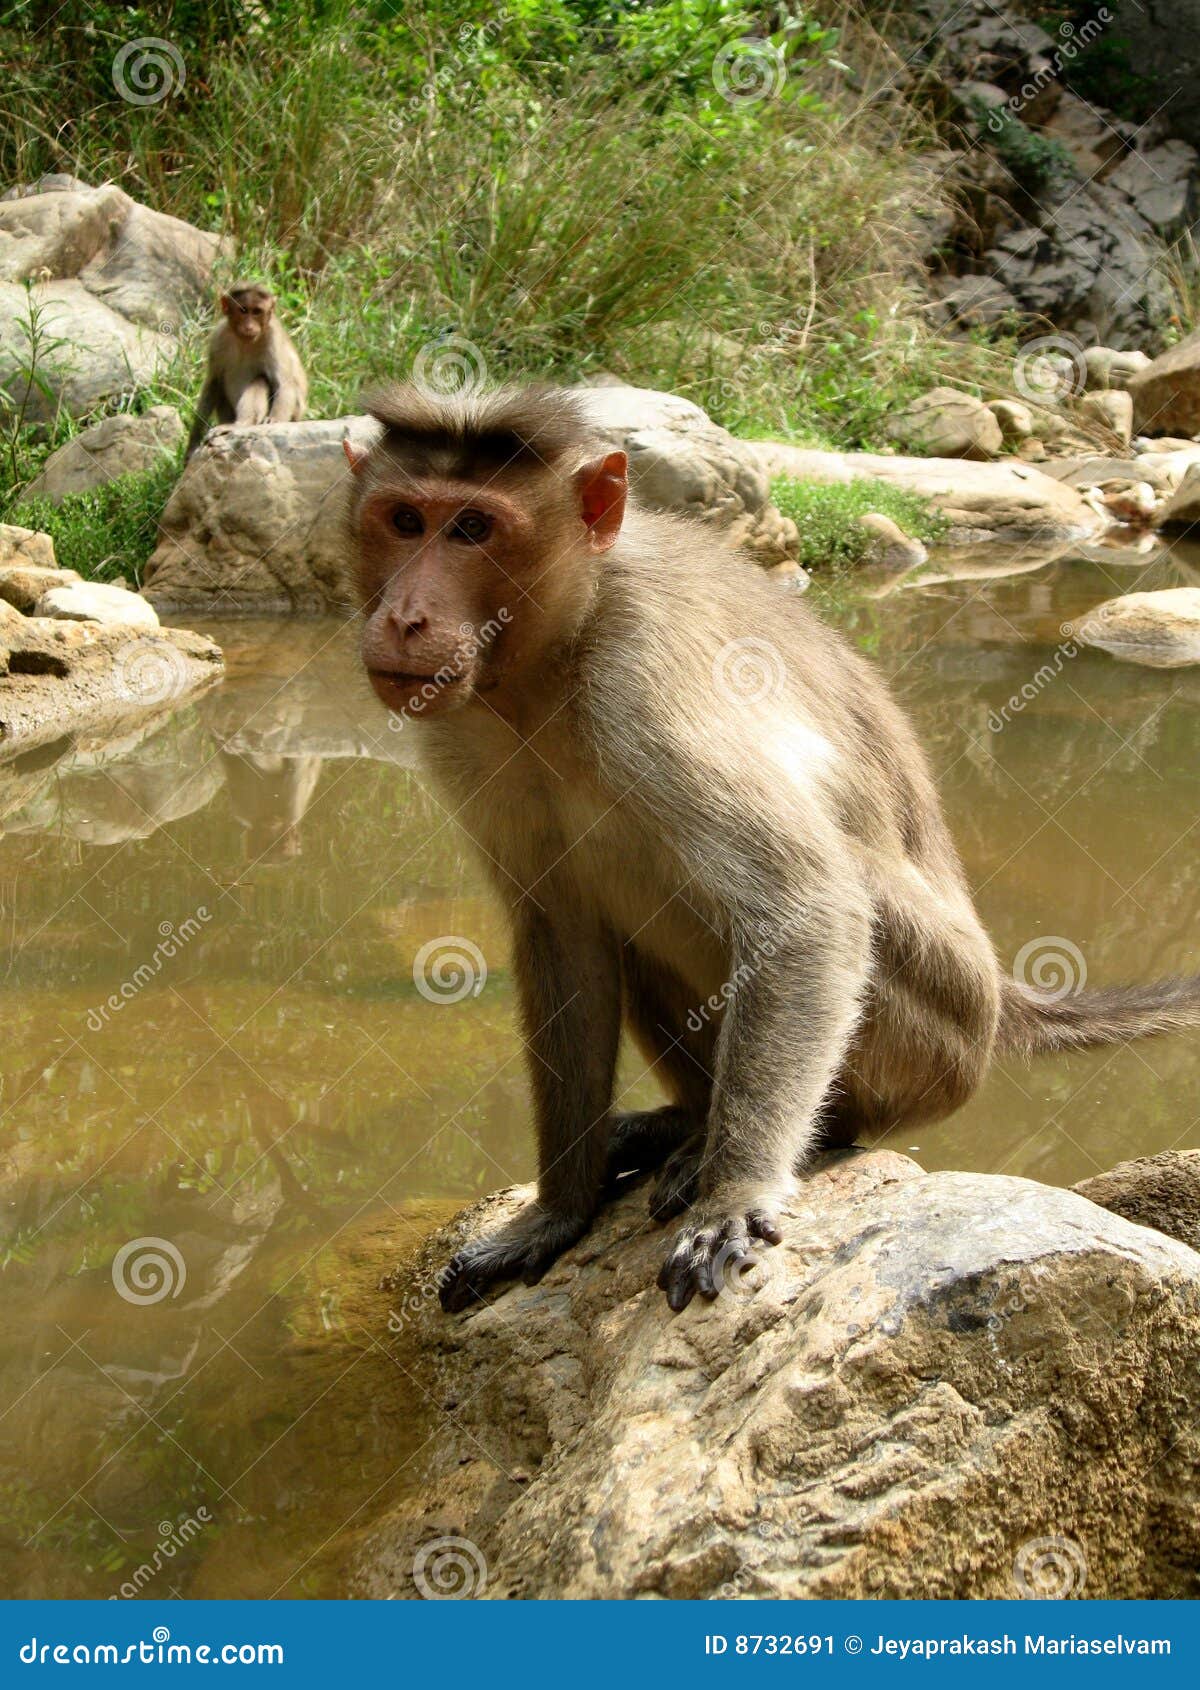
1031,1023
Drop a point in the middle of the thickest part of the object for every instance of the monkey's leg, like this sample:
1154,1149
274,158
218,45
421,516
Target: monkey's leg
679,1053
784,1037
207,404
286,404
254,403
568,976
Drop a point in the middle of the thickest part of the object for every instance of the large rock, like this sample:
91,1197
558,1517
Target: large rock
120,445
96,601
255,520
947,424
1159,629
1161,1191
1009,500
110,280
932,1376
1182,509
23,548
1166,395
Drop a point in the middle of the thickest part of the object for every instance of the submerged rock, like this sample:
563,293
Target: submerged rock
932,1377
1159,629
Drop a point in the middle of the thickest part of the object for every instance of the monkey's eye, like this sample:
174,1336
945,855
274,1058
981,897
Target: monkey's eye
472,527
405,520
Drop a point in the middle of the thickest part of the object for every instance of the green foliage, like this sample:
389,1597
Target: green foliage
831,536
1034,159
107,531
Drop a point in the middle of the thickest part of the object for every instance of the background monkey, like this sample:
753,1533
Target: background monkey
254,372
658,829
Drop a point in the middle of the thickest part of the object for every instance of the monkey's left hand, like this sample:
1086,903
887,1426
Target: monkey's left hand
712,1248
524,1248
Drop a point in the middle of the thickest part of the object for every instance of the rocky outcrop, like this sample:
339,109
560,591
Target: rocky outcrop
939,1385
255,520
1166,394
116,446
1159,629
1007,500
109,283
1160,1191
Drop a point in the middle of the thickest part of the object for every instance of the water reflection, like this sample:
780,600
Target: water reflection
214,1039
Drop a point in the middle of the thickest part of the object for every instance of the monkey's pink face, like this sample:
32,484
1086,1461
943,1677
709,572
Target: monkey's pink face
465,583
249,321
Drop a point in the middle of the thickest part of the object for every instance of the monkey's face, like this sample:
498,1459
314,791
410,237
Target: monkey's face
249,316
468,583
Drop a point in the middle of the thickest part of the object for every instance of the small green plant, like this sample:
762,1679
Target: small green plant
831,536
1035,160
27,379
107,531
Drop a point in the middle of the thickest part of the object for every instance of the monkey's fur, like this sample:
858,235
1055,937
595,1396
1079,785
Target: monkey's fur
681,781
254,373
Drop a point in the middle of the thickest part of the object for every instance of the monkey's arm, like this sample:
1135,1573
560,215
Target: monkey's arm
208,403
568,978
800,967
287,402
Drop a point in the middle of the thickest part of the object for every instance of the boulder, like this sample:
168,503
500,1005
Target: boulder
1182,509
25,547
891,547
1157,179
1107,367
947,424
110,282
23,585
255,521
1015,419
1160,1191
120,445
939,1385
1166,395
1094,144
1110,410
972,302
59,677
1009,500
96,601
1161,630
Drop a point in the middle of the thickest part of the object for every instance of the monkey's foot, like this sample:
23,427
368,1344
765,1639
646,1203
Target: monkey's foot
678,1184
640,1141
524,1249
713,1251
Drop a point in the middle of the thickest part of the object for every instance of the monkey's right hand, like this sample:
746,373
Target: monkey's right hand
713,1243
523,1248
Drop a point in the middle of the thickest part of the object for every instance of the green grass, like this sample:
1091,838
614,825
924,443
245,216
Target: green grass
831,536
109,531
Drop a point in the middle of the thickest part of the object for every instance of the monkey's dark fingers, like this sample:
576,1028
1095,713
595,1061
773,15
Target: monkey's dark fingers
761,1223
462,1281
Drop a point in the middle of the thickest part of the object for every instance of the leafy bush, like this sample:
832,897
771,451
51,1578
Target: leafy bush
108,531
831,536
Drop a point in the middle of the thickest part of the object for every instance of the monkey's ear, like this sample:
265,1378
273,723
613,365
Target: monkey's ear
602,487
226,305
356,456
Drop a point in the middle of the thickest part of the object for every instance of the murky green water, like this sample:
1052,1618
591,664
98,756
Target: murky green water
213,1039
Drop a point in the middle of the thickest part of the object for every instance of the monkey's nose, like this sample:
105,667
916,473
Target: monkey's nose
406,626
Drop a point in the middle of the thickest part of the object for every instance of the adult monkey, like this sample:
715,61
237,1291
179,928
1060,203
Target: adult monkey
660,829
254,373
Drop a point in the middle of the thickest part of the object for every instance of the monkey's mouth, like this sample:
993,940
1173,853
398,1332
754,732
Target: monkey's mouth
411,691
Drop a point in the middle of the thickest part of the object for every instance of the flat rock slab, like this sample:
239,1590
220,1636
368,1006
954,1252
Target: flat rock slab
930,1377
67,677
1007,500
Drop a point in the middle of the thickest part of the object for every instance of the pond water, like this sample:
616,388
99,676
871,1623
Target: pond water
215,1044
